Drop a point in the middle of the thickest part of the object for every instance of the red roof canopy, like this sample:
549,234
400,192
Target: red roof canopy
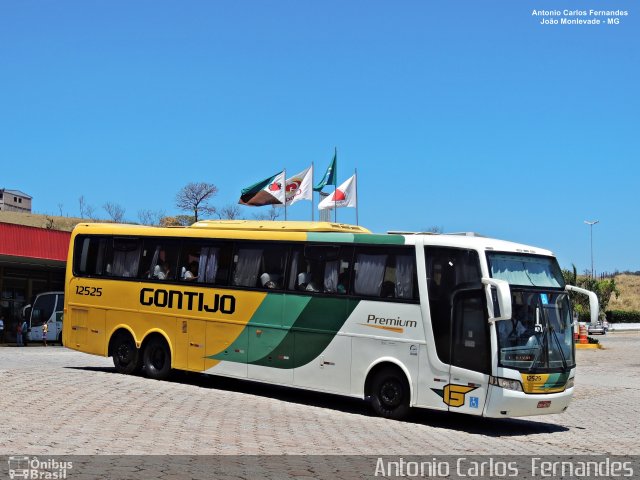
32,242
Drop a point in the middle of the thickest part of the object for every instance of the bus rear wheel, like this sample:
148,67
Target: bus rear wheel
126,357
390,394
157,359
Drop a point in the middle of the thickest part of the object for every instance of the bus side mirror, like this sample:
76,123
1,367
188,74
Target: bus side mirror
498,298
594,307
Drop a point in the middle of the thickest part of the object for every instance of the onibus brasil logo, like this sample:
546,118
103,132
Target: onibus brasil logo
36,469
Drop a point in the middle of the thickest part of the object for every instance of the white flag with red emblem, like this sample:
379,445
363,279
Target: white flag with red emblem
344,196
299,187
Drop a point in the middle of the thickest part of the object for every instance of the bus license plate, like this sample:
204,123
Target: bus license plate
544,404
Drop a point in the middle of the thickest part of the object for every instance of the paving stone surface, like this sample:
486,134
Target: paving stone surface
55,401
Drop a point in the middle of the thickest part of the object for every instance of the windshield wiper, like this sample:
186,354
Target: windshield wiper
526,272
542,344
555,336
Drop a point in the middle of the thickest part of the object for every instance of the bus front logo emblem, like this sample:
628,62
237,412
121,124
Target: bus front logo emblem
454,395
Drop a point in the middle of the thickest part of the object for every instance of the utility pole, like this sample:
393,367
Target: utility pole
591,224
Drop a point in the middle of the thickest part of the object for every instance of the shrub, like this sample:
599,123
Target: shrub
623,316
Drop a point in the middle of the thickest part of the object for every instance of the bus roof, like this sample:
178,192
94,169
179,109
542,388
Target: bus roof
479,242
310,231
275,226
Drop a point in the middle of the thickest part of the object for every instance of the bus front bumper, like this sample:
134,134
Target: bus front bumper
503,403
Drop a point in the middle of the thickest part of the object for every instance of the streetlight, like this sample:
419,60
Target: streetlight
591,224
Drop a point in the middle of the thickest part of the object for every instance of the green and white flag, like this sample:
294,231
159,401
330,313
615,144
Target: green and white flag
269,191
331,174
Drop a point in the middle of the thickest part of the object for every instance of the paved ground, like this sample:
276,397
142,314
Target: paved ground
55,401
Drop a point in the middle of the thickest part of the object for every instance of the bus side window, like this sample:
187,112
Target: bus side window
205,262
90,255
320,268
124,258
369,270
260,266
225,258
385,273
274,259
406,277
247,267
159,259
299,271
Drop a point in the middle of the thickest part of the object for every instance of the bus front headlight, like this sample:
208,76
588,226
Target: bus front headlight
507,383
570,383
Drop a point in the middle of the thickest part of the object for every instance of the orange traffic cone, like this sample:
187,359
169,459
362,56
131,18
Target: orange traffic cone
583,334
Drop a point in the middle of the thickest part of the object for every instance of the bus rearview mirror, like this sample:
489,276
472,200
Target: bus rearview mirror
498,299
594,306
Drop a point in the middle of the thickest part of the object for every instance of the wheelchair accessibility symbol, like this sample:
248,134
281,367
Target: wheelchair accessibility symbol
474,402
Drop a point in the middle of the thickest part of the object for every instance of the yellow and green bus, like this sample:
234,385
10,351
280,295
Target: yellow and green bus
454,322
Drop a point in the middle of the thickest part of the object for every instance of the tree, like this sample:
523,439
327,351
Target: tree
603,289
150,217
272,214
194,197
83,206
90,211
115,211
229,212
177,221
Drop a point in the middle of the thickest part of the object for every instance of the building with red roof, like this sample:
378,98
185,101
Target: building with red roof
32,260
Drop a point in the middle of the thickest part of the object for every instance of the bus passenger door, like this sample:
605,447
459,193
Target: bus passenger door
41,313
470,353
55,328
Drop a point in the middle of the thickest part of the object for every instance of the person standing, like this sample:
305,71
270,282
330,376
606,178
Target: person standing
25,333
1,328
45,330
19,342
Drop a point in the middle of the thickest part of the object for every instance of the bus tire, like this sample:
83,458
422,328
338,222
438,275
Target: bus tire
126,357
390,393
156,359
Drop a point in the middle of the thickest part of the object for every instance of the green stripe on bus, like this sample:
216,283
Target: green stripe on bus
556,380
373,239
268,326
315,328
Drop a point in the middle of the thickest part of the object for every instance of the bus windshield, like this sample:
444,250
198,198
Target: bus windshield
525,270
539,336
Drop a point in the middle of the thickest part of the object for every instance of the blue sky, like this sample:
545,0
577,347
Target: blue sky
466,115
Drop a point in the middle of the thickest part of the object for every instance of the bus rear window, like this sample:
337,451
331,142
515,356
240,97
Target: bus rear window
89,255
106,256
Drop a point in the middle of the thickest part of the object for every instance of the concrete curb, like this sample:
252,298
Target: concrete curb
588,346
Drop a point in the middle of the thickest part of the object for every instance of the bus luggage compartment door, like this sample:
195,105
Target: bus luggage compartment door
78,320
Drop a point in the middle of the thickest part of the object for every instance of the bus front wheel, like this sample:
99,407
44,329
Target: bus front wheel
126,357
157,359
390,393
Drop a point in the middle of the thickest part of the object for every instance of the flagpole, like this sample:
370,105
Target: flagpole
312,191
356,191
285,194
335,187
